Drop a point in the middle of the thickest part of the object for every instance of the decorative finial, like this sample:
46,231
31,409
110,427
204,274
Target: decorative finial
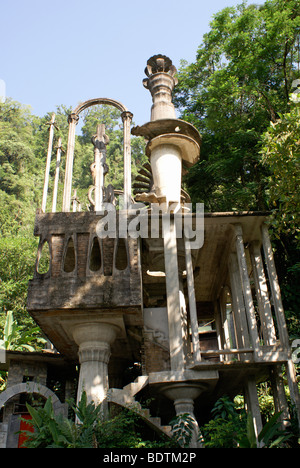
160,82
160,64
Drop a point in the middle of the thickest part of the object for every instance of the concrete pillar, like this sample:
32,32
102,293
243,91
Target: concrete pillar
100,141
173,296
261,287
166,163
279,397
262,295
246,287
56,177
94,340
252,404
192,302
73,120
127,118
275,289
48,161
280,318
242,331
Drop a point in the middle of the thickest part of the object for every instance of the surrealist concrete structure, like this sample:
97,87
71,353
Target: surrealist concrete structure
190,299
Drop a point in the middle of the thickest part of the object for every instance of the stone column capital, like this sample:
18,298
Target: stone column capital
95,354
126,115
73,118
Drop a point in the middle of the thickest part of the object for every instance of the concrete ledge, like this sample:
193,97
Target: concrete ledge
209,376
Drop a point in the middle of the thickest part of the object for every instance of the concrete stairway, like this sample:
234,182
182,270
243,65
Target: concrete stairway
126,397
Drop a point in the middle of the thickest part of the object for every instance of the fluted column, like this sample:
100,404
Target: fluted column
94,340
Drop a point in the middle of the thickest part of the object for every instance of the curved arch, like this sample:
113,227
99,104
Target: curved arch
30,387
97,101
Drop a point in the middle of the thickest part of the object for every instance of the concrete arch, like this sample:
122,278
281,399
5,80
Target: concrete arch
97,101
31,387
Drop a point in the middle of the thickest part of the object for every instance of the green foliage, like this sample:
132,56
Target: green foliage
271,435
240,81
17,259
281,154
126,429
227,426
17,337
90,430
55,431
182,429
231,428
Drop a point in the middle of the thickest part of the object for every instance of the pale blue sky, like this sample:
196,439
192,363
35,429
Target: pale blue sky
66,51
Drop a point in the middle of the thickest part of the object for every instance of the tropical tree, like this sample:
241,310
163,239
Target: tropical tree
240,81
281,154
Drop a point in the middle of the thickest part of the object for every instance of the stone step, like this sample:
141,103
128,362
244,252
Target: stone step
125,397
134,387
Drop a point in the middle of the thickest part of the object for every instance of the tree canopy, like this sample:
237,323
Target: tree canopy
240,81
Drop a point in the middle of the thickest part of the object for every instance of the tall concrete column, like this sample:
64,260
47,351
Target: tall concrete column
262,295
246,287
280,317
127,118
94,340
73,120
56,177
279,396
192,302
252,404
173,295
238,305
48,161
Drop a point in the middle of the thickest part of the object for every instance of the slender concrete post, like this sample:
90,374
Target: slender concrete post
261,288
280,317
100,140
275,289
279,397
250,311
173,298
243,338
252,404
56,177
48,161
192,302
127,118
73,120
